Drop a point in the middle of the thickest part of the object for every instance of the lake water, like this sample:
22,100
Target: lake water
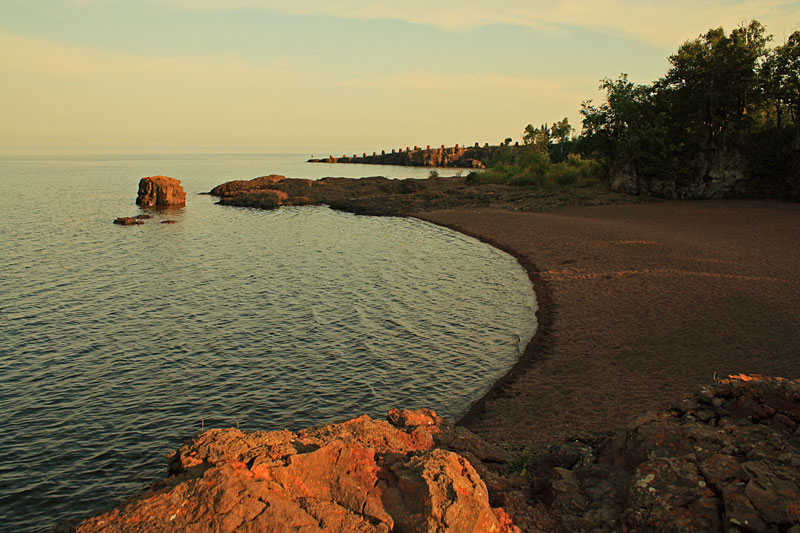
117,343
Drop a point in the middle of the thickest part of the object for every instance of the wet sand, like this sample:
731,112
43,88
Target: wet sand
639,304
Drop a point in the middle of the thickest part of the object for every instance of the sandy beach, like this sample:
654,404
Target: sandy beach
639,304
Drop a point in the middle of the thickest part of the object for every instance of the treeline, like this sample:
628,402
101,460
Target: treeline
723,121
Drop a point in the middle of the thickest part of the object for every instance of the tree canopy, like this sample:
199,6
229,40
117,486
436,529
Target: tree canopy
724,95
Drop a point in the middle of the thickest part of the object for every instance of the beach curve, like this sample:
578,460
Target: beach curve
639,304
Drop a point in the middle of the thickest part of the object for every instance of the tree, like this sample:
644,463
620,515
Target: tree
715,82
780,78
561,130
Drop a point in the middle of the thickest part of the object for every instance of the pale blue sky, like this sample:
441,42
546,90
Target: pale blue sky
361,75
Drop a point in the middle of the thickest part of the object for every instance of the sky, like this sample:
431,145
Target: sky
349,76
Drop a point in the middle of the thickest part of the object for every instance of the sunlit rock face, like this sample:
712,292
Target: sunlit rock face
409,473
160,191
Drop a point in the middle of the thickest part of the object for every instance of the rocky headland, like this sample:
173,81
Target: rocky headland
383,196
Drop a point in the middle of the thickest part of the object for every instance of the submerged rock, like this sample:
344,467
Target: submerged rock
128,221
408,474
160,191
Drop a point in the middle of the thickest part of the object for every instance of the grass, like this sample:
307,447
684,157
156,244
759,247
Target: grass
520,461
534,169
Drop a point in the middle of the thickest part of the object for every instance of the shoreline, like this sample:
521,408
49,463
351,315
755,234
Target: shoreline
629,323
541,337
640,300
635,305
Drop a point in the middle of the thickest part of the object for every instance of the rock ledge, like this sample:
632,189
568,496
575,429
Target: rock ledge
727,458
415,472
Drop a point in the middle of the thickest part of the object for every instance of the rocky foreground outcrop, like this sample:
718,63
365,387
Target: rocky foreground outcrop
160,191
383,196
414,472
726,458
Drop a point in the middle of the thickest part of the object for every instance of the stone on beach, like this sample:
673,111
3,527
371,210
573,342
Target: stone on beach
160,191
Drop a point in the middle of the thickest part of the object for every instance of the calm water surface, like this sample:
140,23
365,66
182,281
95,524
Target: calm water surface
116,343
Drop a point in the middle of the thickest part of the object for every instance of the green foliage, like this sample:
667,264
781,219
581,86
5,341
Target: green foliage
780,79
519,464
540,162
723,94
529,166
725,98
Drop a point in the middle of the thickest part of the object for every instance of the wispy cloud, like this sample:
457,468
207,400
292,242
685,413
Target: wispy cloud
65,94
654,22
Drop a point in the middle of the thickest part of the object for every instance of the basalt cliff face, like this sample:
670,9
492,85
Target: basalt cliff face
716,175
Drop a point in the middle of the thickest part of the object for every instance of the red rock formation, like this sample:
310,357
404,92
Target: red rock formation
408,474
381,196
160,191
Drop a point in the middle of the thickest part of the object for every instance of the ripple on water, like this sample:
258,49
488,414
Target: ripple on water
117,343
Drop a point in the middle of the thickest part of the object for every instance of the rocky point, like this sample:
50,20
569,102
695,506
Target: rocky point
414,472
726,458
382,196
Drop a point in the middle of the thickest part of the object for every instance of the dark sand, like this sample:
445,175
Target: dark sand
639,305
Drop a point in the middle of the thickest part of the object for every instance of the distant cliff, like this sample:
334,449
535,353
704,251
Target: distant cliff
456,156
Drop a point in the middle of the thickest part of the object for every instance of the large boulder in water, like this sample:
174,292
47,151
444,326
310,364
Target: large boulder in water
160,191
